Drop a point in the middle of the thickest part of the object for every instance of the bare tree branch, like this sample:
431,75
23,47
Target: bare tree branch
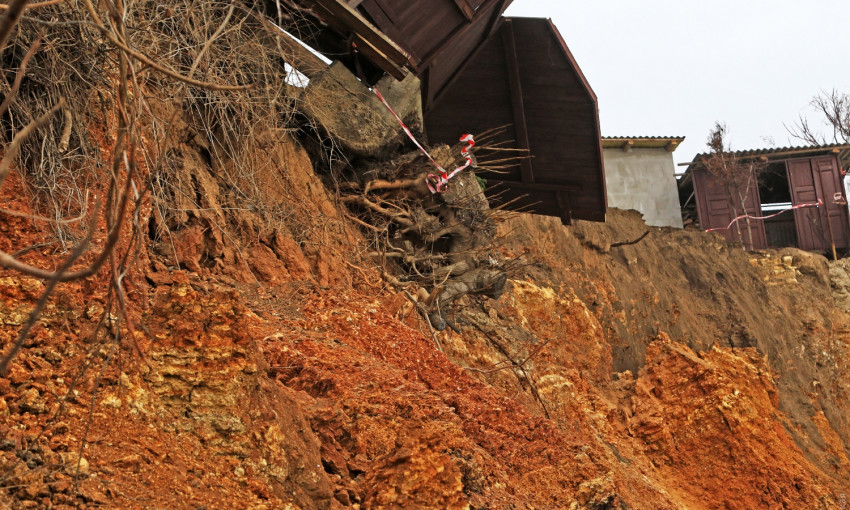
150,62
22,69
10,19
36,217
15,145
42,302
35,5
209,42
834,107
65,138
802,131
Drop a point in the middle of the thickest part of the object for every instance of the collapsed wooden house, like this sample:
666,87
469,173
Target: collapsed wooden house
535,88
792,177
479,70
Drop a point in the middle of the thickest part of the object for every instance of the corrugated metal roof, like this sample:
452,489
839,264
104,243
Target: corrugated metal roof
644,142
643,137
786,152
800,149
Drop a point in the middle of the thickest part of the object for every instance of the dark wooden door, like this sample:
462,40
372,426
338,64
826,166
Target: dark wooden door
715,212
827,169
809,223
810,180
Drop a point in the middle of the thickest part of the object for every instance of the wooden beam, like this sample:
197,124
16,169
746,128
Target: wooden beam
494,24
515,79
627,145
671,146
375,55
341,13
428,89
466,9
589,215
354,3
564,205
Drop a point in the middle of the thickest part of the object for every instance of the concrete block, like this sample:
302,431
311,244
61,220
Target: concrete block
352,114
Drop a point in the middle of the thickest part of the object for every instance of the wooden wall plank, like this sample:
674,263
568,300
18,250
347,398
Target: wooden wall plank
517,106
523,76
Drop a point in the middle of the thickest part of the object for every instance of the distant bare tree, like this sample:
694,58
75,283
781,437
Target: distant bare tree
834,106
736,176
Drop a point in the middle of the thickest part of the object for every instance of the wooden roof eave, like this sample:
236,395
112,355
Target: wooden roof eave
572,60
670,144
379,48
601,165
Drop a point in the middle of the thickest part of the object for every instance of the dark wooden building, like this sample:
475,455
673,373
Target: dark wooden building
438,35
792,176
478,71
430,38
525,77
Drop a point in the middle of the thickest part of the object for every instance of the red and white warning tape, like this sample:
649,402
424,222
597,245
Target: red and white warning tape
741,217
441,182
437,183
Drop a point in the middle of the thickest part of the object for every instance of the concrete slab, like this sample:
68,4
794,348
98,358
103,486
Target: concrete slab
353,116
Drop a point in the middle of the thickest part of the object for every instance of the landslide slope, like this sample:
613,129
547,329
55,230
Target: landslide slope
258,359
679,372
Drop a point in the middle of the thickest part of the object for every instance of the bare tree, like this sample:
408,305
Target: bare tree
111,242
736,175
834,106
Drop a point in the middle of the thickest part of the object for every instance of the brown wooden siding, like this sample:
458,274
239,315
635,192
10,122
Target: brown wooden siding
715,211
418,29
809,179
525,77
439,35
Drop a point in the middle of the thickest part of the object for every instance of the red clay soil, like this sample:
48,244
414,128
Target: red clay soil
668,374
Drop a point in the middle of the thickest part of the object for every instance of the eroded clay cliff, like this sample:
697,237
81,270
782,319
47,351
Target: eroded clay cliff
243,348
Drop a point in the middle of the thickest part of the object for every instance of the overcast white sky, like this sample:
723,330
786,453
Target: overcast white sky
664,68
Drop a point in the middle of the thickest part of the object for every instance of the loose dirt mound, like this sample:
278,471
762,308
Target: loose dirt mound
271,367
566,392
704,293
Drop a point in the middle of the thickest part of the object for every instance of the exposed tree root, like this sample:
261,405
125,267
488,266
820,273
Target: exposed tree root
441,243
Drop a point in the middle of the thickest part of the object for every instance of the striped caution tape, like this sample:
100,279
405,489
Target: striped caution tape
741,217
438,182
405,128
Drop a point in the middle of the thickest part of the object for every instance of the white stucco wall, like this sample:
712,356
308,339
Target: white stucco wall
644,180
